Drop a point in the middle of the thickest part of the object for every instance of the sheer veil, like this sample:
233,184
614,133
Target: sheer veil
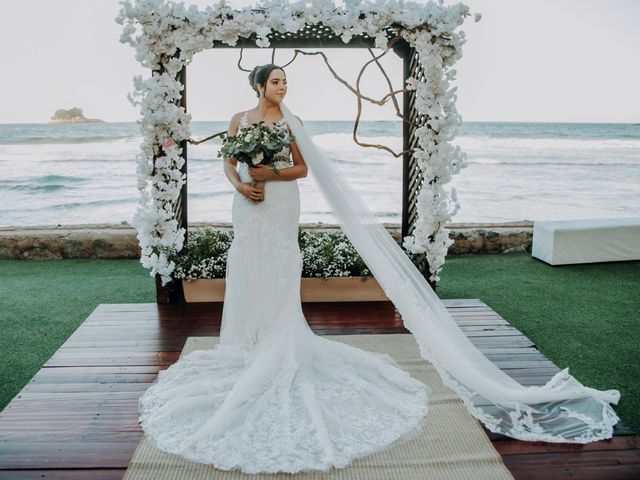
562,410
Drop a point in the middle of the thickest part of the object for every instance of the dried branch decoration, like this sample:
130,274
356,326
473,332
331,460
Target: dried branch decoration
355,90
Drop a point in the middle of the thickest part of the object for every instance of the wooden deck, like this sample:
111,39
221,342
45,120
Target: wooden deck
77,417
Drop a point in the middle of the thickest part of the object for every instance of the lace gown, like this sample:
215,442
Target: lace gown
272,396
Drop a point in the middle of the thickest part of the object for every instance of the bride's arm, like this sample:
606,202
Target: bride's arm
299,169
230,163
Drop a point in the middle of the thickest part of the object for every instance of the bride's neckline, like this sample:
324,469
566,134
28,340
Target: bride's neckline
245,117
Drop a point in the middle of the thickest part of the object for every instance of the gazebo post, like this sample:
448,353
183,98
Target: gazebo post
182,211
172,292
402,50
412,177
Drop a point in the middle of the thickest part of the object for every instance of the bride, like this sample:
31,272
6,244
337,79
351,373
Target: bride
272,396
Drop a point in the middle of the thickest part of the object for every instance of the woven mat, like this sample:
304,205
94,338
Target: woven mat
452,446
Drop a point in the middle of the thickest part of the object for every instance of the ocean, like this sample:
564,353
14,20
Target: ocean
86,173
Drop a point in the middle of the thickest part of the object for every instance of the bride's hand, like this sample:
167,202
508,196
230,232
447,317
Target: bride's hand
260,172
252,193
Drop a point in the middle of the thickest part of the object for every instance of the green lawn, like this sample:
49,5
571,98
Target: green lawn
581,316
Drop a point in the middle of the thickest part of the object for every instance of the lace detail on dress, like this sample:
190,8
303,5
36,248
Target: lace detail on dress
290,420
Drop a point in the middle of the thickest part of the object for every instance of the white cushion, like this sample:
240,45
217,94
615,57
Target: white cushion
563,242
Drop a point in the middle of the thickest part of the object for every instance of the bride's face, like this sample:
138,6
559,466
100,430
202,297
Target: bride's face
276,86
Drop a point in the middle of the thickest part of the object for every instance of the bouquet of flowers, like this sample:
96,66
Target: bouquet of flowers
257,144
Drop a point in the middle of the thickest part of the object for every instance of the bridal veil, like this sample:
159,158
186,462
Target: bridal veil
562,410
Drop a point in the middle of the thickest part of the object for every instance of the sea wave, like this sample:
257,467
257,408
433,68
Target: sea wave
552,161
93,203
511,143
201,195
45,183
45,140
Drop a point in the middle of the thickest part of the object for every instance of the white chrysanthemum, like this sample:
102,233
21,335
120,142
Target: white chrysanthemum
258,158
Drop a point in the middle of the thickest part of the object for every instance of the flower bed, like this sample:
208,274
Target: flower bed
332,268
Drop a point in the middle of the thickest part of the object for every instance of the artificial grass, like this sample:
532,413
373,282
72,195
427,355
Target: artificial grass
581,316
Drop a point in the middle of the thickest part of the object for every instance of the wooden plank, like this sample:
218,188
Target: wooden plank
586,464
47,454
65,474
62,375
98,434
510,447
49,388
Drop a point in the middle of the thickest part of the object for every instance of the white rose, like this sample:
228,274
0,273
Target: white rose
258,158
346,36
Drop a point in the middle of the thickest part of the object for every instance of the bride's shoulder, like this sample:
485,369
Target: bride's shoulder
234,123
238,115
236,118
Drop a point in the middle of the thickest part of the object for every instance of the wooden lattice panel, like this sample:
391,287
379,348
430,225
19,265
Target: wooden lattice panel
412,174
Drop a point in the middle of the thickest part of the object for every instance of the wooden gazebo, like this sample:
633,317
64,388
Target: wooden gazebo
319,36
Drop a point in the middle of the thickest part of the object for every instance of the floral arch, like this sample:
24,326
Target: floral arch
166,36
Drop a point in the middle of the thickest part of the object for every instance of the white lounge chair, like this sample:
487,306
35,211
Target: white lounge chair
564,242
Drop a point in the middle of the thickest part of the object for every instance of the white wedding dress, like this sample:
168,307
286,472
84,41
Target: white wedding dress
272,396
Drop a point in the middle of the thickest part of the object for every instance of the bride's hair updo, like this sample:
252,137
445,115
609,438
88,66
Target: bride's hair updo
259,75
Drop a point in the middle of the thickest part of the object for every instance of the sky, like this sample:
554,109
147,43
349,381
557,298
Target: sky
526,61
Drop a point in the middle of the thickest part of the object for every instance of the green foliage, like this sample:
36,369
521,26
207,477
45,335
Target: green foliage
203,256
330,254
62,114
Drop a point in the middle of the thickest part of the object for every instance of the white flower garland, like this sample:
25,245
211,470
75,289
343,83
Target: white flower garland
166,36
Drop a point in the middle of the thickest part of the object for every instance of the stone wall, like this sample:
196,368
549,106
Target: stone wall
119,241
69,241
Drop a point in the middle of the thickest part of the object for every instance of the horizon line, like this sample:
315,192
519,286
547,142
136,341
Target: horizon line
347,120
